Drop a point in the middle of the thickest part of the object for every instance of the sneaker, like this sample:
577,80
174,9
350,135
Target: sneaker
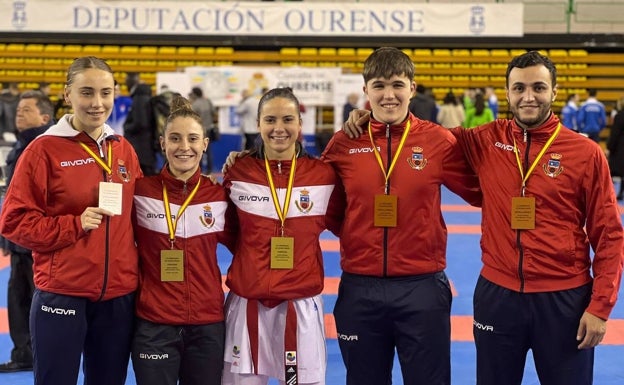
13,366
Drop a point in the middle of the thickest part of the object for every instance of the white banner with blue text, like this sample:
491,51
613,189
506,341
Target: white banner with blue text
262,18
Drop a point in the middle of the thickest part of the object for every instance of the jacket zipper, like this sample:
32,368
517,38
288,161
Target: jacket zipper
278,227
279,173
107,236
527,140
186,260
387,192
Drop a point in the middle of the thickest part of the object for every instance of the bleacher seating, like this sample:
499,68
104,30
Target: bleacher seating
439,69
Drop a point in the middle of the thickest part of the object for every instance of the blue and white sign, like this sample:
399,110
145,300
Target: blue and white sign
262,18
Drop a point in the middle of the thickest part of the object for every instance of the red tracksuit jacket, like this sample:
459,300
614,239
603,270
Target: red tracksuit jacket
55,180
430,158
198,299
316,204
575,208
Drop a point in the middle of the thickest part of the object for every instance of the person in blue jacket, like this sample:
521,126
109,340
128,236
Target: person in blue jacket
592,116
569,112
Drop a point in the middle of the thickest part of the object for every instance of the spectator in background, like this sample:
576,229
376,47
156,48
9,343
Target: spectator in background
479,114
139,127
161,108
164,89
121,107
9,98
592,116
468,98
423,105
350,105
492,100
208,113
33,116
451,113
44,88
617,107
615,149
247,110
569,112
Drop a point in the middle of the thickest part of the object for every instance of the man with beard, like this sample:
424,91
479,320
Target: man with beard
547,197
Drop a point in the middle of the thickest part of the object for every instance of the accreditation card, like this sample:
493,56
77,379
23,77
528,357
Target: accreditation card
282,252
385,211
523,213
110,197
171,265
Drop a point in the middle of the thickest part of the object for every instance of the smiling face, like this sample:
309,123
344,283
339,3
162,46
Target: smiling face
389,98
530,94
279,124
91,95
183,145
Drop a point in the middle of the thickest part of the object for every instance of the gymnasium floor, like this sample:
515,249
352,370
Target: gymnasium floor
463,267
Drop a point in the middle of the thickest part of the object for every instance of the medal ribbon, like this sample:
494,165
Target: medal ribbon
109,161
281,212
539,156
396,155
173,225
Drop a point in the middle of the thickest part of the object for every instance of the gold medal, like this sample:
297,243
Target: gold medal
523,213
282,252
385,211
171,265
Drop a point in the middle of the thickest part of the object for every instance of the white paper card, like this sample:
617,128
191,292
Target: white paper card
110,197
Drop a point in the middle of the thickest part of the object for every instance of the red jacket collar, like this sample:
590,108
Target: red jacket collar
379,128
542,132
174,184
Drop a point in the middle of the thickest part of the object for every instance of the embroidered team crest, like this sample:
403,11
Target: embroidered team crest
291,358
207,219
417,161
122,171
304,204
553,167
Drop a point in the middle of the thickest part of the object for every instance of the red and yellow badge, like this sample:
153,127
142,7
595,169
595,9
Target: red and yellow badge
553,167
207,219
417,161
304,204
122,171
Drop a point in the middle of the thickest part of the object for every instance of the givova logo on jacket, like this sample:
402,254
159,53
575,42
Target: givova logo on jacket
77,162
307,200
417,161
553,167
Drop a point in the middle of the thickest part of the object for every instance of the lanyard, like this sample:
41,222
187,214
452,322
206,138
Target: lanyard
281,212
396,155
172,226
105,166
539,156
